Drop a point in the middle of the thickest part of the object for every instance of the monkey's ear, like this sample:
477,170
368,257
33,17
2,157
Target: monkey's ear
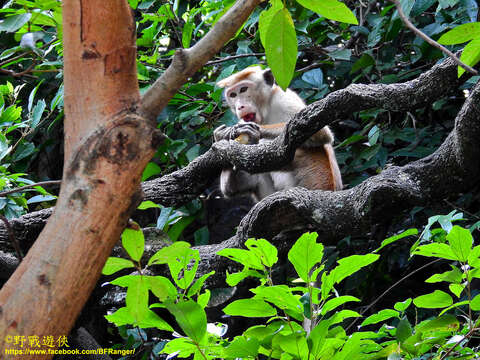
268,77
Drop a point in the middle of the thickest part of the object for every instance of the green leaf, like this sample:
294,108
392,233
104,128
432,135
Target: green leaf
331,9
144,205
435,250
475,303
280,296
452,276
161,287
23,150
404,330
470,55
133,242
137,298
187,34
169,253
191,317
281,47
373,135
150,170
382,315
437,299
197,286
305,254
243,257
474,257
461,34
442,323
266,252
37,113
242,347
183,346
294,344
265,20
234,278
181,260
152,320
460,241
394,238
249,308
204,298
351,264
15,22
121,317
402,305
317,338
336,302
365,60
456,289
115,264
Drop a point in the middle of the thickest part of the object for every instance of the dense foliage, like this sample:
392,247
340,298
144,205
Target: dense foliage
325,46
388,333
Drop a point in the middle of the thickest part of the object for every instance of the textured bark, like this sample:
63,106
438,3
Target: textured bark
104,157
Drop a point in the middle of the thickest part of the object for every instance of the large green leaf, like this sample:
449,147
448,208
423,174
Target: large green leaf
15,22
460,241
461,34
134,243
242,347
436,250
470,55
191,317
437,299
243,257
266,252
336,302
249,308
382,315
281,47
305,254
331,9
266,18
115,264
279,295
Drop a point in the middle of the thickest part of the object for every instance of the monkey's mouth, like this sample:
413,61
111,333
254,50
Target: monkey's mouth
250,117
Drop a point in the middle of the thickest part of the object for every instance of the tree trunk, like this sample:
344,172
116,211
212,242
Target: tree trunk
106,148
107,145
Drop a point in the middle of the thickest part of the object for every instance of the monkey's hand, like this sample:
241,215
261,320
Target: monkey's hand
223,133
243,132
246,133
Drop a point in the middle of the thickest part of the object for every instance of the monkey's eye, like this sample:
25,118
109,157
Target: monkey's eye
232,94
243,89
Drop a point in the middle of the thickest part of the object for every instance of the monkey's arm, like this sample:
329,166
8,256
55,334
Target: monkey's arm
320,138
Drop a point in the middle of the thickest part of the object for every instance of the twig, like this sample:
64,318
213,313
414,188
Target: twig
470,334
12,238
232,58
429,40
390,288
42,183
21,73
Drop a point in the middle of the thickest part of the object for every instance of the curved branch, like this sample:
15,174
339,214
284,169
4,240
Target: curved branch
340,104
338,214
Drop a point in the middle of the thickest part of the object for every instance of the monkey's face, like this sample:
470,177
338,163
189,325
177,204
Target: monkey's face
247,99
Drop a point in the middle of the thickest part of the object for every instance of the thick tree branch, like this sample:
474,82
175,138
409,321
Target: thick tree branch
340,104
452,169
